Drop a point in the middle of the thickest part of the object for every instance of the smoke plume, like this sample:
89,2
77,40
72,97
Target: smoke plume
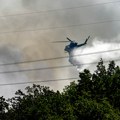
33,45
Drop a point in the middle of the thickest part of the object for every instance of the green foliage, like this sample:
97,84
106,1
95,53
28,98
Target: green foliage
3,107
88,109
94,97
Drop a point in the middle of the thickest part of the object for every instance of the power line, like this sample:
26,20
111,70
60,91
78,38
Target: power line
35,69
62,27
40,60
47,68
61,9
56,80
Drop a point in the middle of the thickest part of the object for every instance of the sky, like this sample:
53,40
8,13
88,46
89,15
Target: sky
28,27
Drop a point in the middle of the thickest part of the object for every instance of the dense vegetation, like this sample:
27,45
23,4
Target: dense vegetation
95,96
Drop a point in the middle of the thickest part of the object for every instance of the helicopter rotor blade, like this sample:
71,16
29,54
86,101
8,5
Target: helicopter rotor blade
69,39
59,41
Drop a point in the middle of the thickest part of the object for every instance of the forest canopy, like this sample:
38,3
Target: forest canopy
95,96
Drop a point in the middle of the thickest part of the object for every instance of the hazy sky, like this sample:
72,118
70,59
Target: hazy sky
27,28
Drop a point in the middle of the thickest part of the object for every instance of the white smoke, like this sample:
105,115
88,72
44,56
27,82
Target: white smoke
82,56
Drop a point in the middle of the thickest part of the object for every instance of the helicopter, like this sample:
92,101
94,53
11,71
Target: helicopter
73,45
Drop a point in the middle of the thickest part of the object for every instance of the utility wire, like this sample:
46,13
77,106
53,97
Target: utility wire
35,69
56,80
47,68
62,27
40,60
61,9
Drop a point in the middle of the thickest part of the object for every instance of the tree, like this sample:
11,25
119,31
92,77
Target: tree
3,107
95,96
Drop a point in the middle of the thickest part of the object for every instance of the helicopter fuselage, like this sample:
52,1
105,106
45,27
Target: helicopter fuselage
69,48
73,45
